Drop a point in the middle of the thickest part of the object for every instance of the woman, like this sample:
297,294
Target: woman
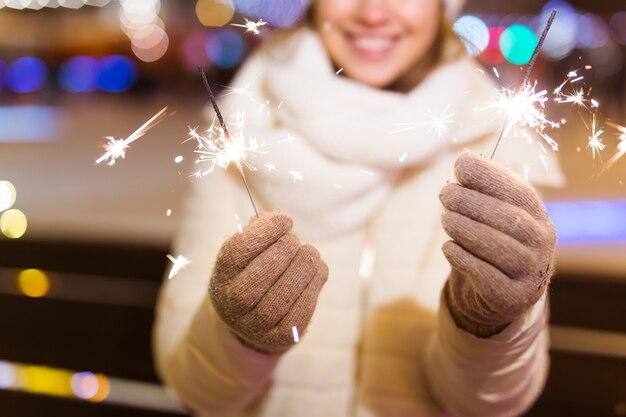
390,324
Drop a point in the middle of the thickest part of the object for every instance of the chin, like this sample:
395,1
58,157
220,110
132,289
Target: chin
372,79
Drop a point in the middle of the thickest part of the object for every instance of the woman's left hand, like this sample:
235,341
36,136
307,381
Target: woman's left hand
502,247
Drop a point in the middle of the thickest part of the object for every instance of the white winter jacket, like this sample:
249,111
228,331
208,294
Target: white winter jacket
381,341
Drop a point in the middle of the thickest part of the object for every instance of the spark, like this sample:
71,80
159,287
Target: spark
220,150
178,159
251,25
339,71
595,141
116,148
178,263
294,330
296,176
288,139
168,213
524,109
595,103
270,167
578,98
621,148
525,106
495,71
588,67
366,172
403,157
438,123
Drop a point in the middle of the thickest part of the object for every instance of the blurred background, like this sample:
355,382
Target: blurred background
83,246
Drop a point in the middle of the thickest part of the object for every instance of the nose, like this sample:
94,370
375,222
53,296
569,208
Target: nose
373,12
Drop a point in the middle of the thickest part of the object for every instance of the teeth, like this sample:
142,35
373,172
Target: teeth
372,44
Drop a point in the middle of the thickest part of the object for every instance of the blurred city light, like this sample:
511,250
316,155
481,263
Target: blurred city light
117,73
618,27
85,385
214,12
473,33
79,74
16,123
225,48
45,380
492,54
33,283
279,13
517,44
593,32
13,223
7,375
7,195
27,74
561,38
193,51
579,222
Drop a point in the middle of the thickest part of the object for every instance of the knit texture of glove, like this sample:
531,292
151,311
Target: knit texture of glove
502,246
265,283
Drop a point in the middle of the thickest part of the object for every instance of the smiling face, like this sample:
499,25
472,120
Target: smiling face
381,43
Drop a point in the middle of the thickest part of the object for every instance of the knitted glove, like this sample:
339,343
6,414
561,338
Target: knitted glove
502,246
265,282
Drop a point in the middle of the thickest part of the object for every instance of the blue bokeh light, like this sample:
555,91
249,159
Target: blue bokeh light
27,74
225,48
79,74
473,32
277,12
580,222
4,74
117,73
561,38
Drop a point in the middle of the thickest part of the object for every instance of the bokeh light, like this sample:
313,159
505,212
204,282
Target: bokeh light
561,38
85,385
8,375
149,43
607,60
193,51
13,223
79,74
117,73
225,48
277,12
492,54
33,282
27,74
473,32
517,44
4,74
7,195
618,27
44,380
593,32
214,12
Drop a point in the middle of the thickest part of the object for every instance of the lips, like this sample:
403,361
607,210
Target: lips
372,47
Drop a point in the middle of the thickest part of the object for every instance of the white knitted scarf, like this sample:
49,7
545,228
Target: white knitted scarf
331,154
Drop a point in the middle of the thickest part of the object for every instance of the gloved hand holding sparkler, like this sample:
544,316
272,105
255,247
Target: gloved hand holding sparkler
265,283
502,247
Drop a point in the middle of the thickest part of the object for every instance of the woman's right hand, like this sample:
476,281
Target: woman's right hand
265,283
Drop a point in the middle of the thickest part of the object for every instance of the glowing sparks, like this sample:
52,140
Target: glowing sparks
621,148
168,212
339,71
438,123
270,167
595,140
178,159
294,331
251,25
178,263
578,98
366,172
296,176
403,157
221,151
116,148
524,110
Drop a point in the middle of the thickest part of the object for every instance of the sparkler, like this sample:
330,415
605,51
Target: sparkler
437,122
526,106
595,140
621,148
178,263
116,148
227,149
251,26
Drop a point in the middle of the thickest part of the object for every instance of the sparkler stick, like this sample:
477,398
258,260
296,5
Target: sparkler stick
531,64
227,134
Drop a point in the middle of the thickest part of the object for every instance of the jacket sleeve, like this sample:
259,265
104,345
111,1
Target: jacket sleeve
196,356
500,376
